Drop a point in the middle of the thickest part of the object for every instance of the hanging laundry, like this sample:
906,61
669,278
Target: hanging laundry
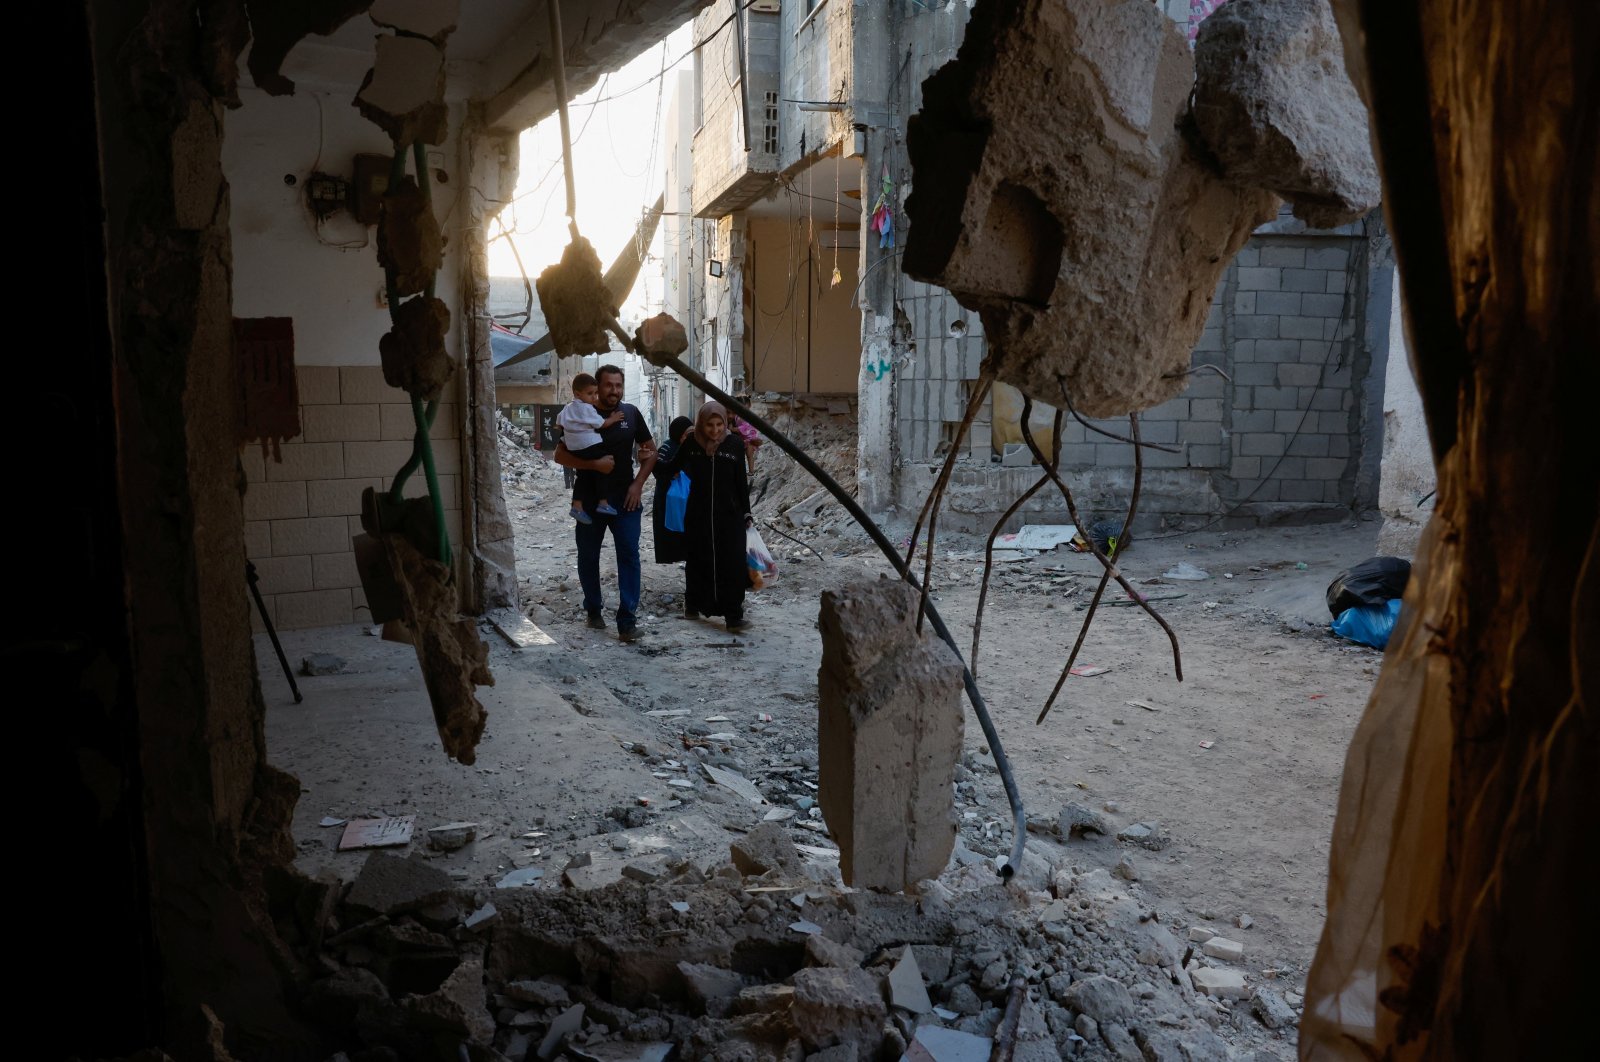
883,212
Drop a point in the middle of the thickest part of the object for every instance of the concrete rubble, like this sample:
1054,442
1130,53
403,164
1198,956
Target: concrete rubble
1066,190
1278,111
889,735
703,964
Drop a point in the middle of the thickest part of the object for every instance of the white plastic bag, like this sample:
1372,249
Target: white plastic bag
759,559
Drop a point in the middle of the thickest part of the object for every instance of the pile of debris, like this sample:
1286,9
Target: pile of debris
783,492
521,463
758,957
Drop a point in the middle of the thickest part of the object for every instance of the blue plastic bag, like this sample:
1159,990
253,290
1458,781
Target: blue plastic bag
677,502
1368,624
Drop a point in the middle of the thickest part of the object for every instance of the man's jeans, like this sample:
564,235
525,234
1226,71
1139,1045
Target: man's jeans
625,535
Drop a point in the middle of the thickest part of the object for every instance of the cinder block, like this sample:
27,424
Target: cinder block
323,534
1211,339
364,385
1205,409
1163,459
1279,302
1251,420
1303,327
1255,374
1262,444
1256,490
1309,444
1300,490
1278,349
303,461
1327,399
257,538
1078,455
1325,467
1258,326
1113,454
337,497
1200,431
1316,351
1333,422
1205,456
1172,409
1280,255
1313,304
1338,328
317,385
1245,468
1275,397
1338,446
274,501
1245,302
1205,385
284,575
381,459
1159,431
338,423
1249,255
1288,467
1305,280
1242,350
253,463
1339,282
330,571
1296,374
1292,420
1328,258
314,608
1260,279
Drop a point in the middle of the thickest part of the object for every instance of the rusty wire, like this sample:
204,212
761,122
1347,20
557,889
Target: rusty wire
994,533
1072,508
1105,576
1067,400
930,507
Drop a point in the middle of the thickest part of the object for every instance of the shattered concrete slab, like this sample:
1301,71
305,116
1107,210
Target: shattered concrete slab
889,735
403,93
453,659
1055,193
413,352
577,305
1277,109
390,885
410,246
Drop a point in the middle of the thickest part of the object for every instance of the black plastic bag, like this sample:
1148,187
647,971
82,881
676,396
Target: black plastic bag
1372,582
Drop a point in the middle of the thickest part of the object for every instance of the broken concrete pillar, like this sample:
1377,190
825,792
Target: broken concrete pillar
410,245
414,356
1276,108
577,306
1057,195
889,734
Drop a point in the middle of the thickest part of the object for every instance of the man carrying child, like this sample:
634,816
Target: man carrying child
581,424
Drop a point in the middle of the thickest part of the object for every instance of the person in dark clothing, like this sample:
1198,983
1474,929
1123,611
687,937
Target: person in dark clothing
670,546
719,512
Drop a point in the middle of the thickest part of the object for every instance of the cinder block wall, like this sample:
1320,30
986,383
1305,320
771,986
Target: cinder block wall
1281,437
300,514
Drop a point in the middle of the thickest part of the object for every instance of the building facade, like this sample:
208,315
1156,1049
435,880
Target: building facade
800,177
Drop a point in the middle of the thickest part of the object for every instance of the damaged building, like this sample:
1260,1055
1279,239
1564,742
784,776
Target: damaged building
264,354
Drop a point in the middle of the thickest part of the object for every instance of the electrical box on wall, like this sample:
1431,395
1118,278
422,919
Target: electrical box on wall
326,194
368,187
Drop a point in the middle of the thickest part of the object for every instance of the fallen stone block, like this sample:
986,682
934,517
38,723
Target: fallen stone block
1105,999
934,1044
459,1005
820,951
1075,820
452,836
568,1022
839,1007
1223,948
906,989
1274,105
390,885
541,993
1219,984
1055,194
1273,1011
1146,835
889,736
765,848
762,999
707,986
1200,934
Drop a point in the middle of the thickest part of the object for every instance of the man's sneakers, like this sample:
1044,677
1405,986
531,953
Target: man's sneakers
597,620
737,625
628,629
582,517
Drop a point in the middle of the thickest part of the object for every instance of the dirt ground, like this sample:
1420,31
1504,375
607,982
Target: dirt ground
571,754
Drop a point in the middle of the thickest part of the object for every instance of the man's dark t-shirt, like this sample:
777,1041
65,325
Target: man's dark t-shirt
619,441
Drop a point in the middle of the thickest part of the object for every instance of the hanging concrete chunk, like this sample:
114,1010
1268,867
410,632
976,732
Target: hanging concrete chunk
1055,194
1276,107
576,303
889,735
453,658
412,351
403,93
409,242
